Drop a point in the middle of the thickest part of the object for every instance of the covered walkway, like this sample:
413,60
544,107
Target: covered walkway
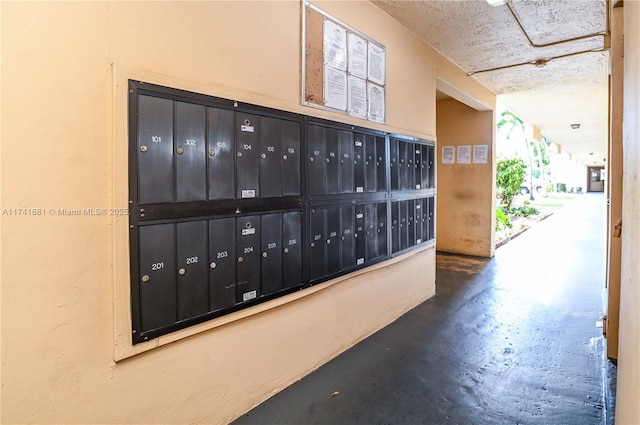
511,340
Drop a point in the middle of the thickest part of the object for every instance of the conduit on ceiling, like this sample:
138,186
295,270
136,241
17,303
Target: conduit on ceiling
543,62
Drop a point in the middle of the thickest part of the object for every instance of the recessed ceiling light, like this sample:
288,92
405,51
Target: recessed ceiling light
496,3
575,126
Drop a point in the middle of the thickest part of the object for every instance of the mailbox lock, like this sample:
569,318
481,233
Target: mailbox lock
180,151
240,259
286,250
181,272
212,153
264,255
143,148
145,278
247,122
327,159
313,245
248,225
311,159
284,157
328,241
213,265
239,154
263,156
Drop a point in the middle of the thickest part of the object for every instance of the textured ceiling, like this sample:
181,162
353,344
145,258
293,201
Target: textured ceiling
571,88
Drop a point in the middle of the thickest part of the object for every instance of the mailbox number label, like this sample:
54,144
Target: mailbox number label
157,266
222,254
192,260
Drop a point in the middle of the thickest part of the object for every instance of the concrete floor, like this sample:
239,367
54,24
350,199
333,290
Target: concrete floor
510,340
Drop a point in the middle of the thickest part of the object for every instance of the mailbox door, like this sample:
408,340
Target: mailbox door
347,245
157,280
291,158
371,231
395,227
270,157
346,161
394,164
411,222
358,162
404,225
332,160
317,252
382,230
192,276
432,232
432,166
247,147
417,166
359,235
222,263
221,154
292,241
155,150
381,164
418,221
333,240
190,154
371,172
248,257
317,164
402,166
271,253
410,169
424,166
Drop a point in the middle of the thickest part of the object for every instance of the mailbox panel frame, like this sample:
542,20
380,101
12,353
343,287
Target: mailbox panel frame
380,194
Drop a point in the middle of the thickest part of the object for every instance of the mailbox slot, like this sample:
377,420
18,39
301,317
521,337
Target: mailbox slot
192,275
189,152
247,128
157,276
222,263
155,150
271,261
221,154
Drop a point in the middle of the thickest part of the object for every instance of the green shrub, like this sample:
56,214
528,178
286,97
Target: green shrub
510,175
502,221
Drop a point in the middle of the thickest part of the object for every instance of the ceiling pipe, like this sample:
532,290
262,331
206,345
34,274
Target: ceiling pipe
568,40
542,62
538,62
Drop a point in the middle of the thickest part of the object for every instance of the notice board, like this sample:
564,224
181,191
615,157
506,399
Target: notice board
343,70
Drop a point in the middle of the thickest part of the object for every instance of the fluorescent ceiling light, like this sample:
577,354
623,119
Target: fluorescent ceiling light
496,3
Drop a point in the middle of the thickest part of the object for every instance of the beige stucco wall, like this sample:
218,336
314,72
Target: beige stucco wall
628,393
60,139
466,192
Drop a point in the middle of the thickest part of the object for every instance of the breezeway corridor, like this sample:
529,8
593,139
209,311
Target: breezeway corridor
510,340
